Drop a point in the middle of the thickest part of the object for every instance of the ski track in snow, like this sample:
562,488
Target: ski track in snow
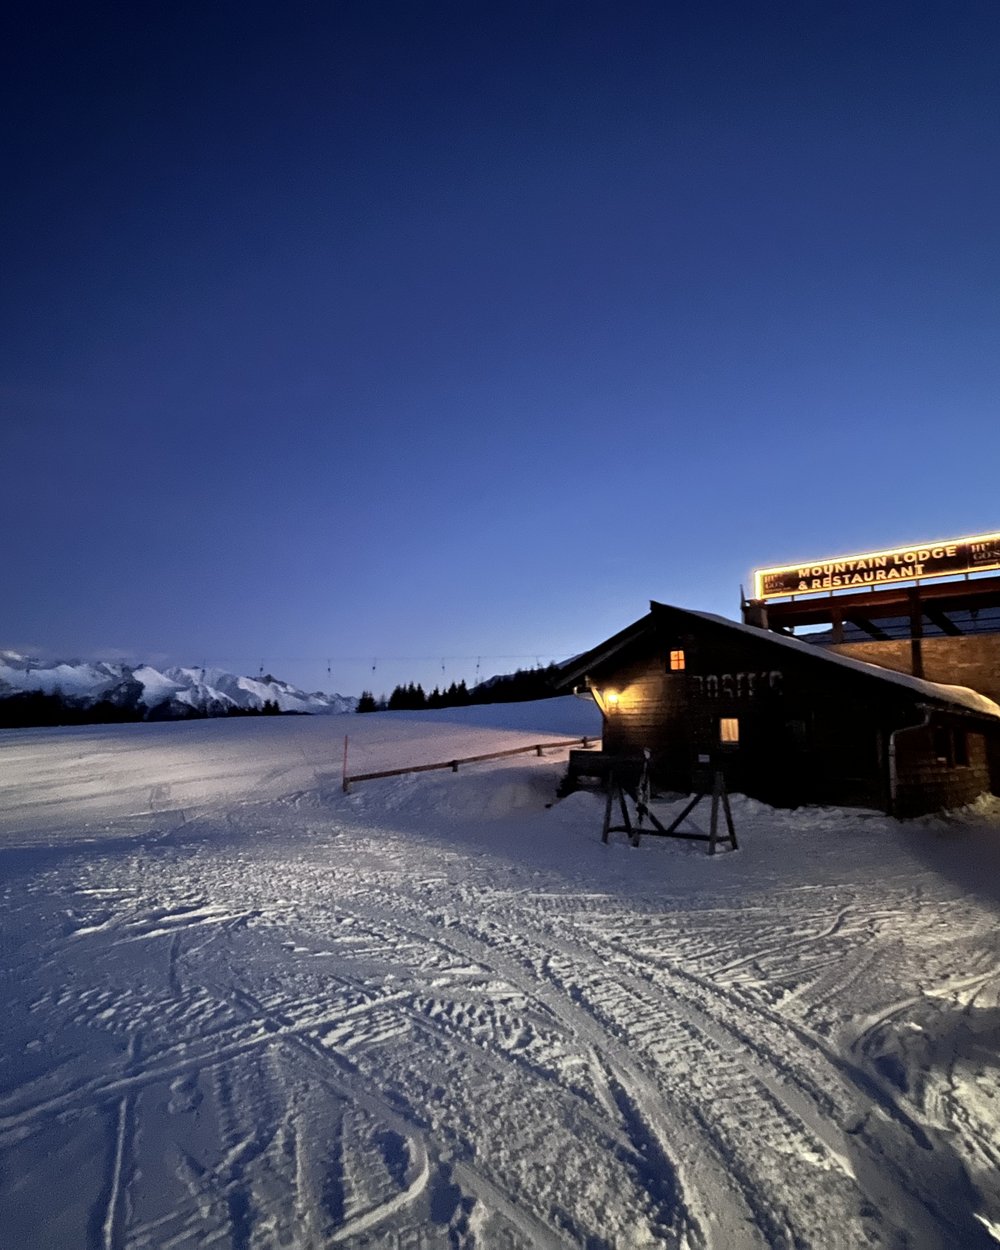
434,1014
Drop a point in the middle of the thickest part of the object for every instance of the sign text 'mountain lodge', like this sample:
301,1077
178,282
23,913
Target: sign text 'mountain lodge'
905,564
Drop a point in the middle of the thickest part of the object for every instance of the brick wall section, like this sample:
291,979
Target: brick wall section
927,784
972,661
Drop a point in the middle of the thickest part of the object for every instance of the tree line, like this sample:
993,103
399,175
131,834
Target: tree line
32,709
518,687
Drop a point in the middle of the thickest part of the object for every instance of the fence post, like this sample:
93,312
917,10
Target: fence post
344,782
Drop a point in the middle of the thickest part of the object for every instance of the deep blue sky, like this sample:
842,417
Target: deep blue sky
455,330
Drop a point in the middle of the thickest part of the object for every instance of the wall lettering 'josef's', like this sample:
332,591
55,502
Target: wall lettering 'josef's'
736,685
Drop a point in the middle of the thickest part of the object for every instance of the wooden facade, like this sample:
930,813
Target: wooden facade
796,724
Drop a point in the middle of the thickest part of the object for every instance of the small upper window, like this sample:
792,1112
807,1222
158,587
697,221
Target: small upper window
676,661
729,730
941,743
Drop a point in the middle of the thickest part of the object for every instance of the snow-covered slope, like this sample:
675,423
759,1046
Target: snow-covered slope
212,691
243,1008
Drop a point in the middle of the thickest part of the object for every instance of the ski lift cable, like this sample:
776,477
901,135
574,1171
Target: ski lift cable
554,654
445,661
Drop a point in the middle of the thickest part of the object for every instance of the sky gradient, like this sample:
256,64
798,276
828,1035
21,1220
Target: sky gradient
420,333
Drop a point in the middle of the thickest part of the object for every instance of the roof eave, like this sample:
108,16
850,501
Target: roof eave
581,665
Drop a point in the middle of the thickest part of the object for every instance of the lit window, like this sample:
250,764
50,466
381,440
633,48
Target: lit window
676,661
729,730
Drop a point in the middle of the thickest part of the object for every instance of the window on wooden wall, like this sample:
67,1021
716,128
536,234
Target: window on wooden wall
941,738
961,749
729,730
677,661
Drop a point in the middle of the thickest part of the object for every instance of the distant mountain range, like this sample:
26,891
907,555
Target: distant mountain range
149,694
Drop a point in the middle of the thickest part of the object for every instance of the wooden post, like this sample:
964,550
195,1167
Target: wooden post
344,782
713,829
617,790
626,822
729,816
720,793
916,632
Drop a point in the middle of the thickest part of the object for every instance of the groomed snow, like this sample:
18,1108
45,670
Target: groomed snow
244,1009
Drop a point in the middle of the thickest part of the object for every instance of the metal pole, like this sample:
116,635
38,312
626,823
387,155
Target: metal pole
344,784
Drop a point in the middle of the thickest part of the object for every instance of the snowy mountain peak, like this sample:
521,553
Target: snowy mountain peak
154,694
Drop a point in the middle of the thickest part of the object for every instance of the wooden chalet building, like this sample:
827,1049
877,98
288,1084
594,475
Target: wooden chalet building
795,723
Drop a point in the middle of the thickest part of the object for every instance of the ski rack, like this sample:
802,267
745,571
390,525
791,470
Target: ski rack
618,789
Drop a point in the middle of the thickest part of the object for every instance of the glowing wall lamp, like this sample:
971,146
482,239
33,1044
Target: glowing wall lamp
606,700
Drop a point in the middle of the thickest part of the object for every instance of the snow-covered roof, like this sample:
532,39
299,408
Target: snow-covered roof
971,700
953,696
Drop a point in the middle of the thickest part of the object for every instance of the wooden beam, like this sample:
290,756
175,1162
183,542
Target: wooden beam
872,630
916,631
945,624
978,592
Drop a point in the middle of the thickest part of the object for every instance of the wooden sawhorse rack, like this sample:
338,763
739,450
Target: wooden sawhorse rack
715,789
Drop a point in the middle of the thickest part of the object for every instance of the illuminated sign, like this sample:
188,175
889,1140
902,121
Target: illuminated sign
880,568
